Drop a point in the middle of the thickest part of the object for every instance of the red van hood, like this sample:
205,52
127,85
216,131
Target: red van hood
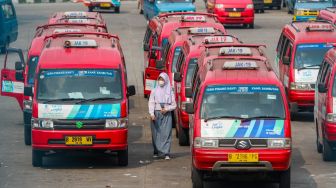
234,2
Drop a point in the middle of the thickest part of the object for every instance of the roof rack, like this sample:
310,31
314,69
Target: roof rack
186,13
311,21
210,65
331,9
232,45
70,24
56,35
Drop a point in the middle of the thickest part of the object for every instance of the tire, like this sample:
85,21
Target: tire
271,7
262,10
278,7
37,158
117,9
123,158
90,9
141,11
250,26
197,178
27,134
4,48
319,146
327,151
183,136
146,96
285,179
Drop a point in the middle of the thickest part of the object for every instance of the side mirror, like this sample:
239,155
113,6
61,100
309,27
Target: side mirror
321,88
19,66
177,77
131,90
28,91
188,92
19,76
159,64
146,47
285,60
190,108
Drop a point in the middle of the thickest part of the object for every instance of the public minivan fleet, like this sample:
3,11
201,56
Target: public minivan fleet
234,107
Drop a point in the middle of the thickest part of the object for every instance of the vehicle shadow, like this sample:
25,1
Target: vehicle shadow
302,116
300,177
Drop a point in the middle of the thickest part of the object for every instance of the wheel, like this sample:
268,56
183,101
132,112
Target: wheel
117,9
262,10
278,7
37,158
285,179
90,9
271,7
250,26
123,158
196,178
319,146
327,151
146,96
27,134
4,48
183,136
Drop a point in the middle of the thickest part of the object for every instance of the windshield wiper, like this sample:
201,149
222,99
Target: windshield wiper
262,117
222,117
309,66
63,99
97,99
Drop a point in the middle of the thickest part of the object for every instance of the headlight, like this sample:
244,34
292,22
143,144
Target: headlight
27,105
42,123
279,143
116,123
300,86
299,12
249,6
205,142
219,6
331,118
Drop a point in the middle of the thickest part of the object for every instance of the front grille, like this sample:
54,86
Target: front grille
94,141
230,143
234,9
86,124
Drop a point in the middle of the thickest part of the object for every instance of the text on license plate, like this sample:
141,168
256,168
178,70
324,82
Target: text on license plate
105,5
243,157
78,140
234,14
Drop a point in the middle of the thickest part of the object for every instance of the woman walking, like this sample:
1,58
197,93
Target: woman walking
161,104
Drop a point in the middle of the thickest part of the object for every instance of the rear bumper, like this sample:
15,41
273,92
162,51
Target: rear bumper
98,4
330,131
102,139
217,160
303,18
302,98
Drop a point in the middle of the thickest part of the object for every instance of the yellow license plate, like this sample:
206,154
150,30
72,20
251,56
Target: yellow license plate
243,157
234,14
268,1
105,5
78,140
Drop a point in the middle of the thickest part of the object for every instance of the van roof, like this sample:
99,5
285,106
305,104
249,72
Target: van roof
175,20
216,74
311,32
107,53
73,15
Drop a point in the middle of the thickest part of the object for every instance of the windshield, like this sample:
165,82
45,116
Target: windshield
314,1
310,55
190,70
79,84
243,101
174,1
175,58
31,69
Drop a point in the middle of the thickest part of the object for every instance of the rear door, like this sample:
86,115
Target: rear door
10,86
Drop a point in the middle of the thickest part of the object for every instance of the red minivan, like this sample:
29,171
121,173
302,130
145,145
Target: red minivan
76,17
240,123
156,36
233,12
186,63
300,51
27,71
325,107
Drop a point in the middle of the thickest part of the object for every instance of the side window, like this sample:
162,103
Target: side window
280,44
8,10
326,75
320,73
196,91
166,48
180,62
284,49
290,51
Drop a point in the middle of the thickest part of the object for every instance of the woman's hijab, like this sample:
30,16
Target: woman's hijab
163,93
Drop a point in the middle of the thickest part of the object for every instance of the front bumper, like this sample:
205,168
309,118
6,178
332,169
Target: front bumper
246,17
114,140
302,98
330,131
217,160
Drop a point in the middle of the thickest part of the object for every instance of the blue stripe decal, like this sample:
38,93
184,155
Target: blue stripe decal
249,130
261,126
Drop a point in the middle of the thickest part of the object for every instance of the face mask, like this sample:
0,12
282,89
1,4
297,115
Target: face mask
161,83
